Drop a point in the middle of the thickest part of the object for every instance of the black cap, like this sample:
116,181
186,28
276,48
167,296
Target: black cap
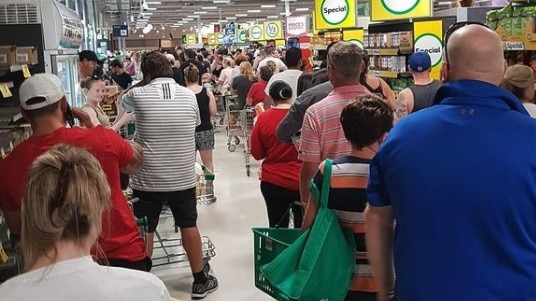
88,55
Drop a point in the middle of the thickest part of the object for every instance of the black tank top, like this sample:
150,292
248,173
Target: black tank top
423,95
204,111
378,91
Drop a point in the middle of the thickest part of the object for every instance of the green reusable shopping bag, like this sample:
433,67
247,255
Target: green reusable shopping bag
320,264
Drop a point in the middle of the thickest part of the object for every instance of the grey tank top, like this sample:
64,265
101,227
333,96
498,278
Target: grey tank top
423,95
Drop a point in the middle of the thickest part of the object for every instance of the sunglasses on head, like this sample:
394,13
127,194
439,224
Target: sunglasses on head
452,28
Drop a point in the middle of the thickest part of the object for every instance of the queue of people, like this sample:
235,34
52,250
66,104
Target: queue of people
433,183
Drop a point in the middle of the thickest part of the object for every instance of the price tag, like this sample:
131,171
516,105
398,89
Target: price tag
375,51
3,256
376,73
514,46
4,89
26,71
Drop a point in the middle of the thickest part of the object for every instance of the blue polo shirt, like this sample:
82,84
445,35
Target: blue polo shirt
461,179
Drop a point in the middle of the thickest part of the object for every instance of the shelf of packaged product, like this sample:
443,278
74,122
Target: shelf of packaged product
388,51
389,74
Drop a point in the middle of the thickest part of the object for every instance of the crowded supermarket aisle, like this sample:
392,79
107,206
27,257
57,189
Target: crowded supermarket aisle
228,223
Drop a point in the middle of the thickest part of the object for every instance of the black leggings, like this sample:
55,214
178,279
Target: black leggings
278,201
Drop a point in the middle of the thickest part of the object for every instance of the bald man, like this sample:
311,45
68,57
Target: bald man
460,181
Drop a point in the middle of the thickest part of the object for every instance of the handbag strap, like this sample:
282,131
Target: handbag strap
326,183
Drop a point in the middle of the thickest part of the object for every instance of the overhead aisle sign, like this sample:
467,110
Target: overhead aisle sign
384,10
242,36
333,14
273,30
428,37
212,40
256,32
191,39
219,38
354,36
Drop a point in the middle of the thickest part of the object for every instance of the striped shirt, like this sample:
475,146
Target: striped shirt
348,197
322,136
166,117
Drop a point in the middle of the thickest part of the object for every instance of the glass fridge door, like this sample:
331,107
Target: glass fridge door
66,68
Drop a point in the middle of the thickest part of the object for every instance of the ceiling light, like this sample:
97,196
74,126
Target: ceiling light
254,11
154,2
148,14
285,14
200,12
241,15
222,21
302,9
209,7
273,17
151,8
268,6
193,16
221,1
187,19
231,18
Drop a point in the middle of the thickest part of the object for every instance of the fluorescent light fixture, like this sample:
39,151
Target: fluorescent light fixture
268,6
209,7
151,8
222,21
254,11
147,14
302,9
193,16
284,14
221,1
200,12
273,17
241,15
187,19
154,2
231,18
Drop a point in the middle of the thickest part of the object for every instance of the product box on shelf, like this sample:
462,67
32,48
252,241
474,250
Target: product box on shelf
406,42
7,56
26,55
515,25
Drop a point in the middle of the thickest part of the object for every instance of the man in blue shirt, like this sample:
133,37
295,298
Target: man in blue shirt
459,179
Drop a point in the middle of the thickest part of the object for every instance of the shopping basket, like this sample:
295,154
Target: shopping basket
268,243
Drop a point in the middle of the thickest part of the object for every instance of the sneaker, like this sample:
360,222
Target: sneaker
200,291
206,268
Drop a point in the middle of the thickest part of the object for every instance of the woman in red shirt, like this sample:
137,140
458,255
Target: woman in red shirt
256,92
280,168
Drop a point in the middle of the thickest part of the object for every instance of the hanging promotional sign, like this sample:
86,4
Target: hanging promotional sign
428,38
242,36
256,32
332,14
212,40
273,30
191,39
229,33
384,10
354,36
296,26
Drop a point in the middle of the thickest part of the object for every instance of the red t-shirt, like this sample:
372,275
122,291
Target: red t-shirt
256,92
280,166
120,237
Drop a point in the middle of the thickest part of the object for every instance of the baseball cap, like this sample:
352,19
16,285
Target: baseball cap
420,61
520,76
45,85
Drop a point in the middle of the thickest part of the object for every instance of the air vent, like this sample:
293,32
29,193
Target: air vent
22,13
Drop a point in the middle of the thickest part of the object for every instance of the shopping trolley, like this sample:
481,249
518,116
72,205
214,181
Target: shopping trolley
233,122
205,185
246,123
221,107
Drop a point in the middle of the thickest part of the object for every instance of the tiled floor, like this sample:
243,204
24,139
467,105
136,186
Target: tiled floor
228,224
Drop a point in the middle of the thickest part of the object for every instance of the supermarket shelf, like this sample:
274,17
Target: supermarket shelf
386,51
389,74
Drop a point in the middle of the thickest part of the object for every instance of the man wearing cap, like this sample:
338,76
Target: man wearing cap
519,79
421,94
44,105
87,63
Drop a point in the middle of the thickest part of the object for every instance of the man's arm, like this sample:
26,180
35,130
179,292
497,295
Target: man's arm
137,159
402,103
292,123
307,171
379,239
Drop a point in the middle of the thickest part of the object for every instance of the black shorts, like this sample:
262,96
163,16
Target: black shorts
183,205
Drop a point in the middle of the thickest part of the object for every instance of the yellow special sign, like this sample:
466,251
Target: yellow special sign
428,37
383,10
212,39
273,30
191,39
331,14
354,36
256,32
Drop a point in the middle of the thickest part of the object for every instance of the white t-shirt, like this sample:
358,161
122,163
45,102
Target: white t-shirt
166,117
82,279
289,76
280,66
531,108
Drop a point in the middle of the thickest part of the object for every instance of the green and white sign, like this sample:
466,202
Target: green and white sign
432,45
256,32
399,7
242,36
330,14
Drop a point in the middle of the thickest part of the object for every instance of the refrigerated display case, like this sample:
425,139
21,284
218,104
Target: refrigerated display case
66,68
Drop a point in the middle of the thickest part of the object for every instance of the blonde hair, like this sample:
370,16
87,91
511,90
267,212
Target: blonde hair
272,65
65,196
227,62
247,71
